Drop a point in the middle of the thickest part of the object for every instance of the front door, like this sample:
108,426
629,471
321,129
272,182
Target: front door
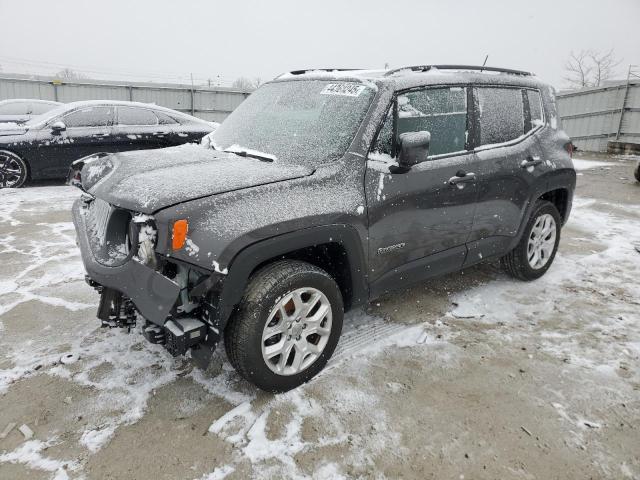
420,219
88,130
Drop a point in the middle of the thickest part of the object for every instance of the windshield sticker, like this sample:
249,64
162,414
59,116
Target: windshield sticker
346,89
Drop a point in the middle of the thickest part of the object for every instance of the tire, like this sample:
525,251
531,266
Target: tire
248,343
636,172
521,262
13,170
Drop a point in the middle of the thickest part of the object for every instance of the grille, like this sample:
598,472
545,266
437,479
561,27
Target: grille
100,212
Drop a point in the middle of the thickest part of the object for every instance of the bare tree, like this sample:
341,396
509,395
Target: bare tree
604,65
590,68
578,69
69,74
246,84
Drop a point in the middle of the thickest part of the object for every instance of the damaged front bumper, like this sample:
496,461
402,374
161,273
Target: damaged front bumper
180,314
153,294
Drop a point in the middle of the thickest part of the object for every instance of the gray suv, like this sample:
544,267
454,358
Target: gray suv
322,191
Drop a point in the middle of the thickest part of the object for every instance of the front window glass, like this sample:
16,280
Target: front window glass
440,111
89,117
301,121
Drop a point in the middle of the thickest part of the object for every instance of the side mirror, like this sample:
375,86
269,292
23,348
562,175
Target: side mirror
57,127
414,148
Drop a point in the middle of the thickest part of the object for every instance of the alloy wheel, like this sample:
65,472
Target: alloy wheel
542,241
297,331
11,170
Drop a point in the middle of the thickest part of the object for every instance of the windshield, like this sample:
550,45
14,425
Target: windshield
305,122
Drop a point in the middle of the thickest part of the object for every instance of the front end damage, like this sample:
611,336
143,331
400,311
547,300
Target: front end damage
177,300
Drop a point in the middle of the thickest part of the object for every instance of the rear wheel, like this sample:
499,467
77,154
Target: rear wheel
13,170
534,254
636,172
286,327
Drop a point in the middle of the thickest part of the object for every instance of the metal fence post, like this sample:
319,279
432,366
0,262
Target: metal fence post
624,101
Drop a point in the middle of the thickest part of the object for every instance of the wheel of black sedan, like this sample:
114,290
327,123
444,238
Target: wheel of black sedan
13,170
286,327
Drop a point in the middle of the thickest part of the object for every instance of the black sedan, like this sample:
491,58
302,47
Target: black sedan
45,147
21,110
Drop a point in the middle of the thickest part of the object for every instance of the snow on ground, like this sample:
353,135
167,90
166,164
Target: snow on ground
583,164
46,311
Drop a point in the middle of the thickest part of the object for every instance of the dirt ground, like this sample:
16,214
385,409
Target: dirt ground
472,376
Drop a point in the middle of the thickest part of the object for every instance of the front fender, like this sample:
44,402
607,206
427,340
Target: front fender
258,253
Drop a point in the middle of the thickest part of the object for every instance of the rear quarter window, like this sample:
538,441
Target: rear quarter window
501,114
164,119
535,108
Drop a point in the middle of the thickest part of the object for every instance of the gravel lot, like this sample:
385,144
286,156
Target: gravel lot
471,376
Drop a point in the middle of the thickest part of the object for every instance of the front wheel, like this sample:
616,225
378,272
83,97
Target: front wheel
636,172
13,170
286,327
533,255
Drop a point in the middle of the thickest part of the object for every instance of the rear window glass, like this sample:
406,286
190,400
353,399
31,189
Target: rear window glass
501,114
136,116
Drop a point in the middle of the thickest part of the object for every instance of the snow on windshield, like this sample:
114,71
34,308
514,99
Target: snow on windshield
309,121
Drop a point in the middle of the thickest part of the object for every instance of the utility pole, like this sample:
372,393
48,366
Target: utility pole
193,107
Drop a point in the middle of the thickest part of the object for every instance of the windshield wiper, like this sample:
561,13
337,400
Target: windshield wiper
241,152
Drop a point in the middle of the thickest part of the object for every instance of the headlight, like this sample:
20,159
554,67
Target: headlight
145,230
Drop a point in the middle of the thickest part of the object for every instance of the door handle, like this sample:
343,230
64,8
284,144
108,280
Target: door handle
530,162
462,177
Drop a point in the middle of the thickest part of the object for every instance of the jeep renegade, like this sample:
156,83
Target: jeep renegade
323,190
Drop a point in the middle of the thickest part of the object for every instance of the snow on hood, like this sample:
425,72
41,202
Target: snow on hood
149,180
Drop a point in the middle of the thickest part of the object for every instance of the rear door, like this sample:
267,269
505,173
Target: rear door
420,220
138,128
508,164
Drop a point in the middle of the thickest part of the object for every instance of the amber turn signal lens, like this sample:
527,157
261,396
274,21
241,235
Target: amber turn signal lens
179,235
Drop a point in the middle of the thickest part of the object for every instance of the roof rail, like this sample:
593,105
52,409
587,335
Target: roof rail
426,68
307,70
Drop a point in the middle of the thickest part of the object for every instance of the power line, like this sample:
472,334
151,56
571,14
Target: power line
184,78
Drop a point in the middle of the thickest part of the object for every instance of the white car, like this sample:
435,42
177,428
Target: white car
20,110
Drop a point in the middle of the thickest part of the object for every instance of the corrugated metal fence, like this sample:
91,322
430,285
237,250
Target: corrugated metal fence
213,104
602,118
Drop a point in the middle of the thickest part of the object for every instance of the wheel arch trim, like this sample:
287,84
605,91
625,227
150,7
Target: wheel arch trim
245,262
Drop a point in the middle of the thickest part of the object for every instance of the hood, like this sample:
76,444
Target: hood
148,180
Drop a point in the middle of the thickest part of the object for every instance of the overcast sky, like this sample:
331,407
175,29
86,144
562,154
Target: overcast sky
162,39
